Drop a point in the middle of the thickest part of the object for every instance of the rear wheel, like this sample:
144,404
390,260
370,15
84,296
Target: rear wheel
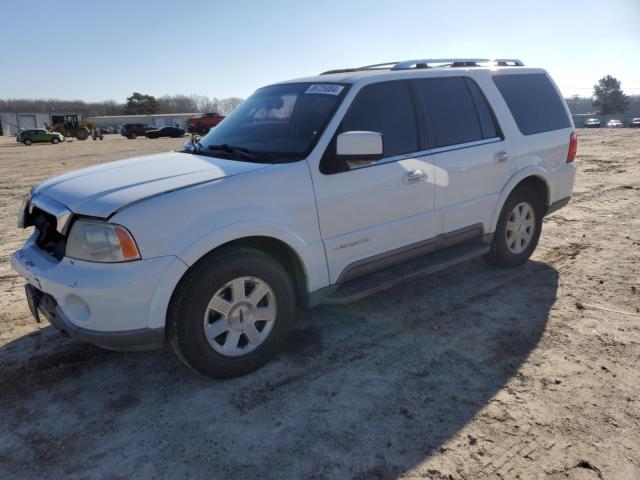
231,313
132,136
28,141
518,229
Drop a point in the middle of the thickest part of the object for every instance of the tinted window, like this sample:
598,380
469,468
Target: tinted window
385,108
533,101
485,114
450,110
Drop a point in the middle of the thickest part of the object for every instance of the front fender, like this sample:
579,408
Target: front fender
311,256
519,176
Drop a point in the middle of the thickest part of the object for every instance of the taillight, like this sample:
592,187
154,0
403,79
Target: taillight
573,147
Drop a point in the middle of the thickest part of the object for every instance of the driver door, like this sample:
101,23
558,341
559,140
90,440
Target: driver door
372,211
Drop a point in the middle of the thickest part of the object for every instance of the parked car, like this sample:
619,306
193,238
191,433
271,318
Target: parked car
614,124
38,135
324,189
635,123
174,132
134,130
592,123
201,125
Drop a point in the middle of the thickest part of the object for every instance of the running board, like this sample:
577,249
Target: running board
383,279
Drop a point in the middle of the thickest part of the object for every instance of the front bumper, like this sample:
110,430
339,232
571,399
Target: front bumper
119,305
128,340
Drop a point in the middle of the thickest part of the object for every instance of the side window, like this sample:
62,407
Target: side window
533,101
487,118
386,108
450,110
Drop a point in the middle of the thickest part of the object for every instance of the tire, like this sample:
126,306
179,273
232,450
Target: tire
216,277
517,234
132,136
55,140
82,134
27,142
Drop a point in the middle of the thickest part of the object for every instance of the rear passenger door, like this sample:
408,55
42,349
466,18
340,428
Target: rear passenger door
471,158
368,209
40,136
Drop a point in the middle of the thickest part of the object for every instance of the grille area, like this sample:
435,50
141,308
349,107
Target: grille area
48,238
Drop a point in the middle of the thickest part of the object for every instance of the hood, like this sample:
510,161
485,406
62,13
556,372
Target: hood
101,190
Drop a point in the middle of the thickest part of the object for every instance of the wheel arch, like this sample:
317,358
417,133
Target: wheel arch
539,185
535,178
280,250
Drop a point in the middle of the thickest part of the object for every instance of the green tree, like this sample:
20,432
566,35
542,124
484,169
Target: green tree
140,104
609,97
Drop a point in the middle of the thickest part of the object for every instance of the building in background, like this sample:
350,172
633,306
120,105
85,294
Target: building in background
11,122
115,122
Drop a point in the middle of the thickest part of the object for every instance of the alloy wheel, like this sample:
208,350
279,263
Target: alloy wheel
521,226
240,316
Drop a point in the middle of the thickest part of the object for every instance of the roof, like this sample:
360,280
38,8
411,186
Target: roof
410,67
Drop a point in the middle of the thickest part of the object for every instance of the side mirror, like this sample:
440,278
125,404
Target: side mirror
360,144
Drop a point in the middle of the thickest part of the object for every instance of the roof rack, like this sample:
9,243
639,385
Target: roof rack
434,63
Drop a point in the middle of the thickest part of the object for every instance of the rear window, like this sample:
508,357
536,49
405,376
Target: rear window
533,101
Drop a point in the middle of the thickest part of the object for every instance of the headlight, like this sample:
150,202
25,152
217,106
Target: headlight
97,241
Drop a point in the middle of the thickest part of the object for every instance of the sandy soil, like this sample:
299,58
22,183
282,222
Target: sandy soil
530,373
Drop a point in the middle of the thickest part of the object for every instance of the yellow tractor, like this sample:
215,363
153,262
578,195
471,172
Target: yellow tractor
69,126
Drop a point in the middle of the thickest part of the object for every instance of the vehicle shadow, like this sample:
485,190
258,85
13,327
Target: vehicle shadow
366,390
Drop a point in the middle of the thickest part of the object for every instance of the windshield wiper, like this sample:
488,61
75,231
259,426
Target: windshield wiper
235,150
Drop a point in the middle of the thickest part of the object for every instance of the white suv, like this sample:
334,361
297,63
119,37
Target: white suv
322,189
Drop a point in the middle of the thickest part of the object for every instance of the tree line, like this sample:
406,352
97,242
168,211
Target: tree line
608,99
136,104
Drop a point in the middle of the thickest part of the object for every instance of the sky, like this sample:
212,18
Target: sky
105,50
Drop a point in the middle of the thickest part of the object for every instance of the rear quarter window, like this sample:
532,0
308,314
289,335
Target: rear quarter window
533,101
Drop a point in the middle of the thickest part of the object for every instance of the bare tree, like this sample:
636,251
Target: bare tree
165,104
228,105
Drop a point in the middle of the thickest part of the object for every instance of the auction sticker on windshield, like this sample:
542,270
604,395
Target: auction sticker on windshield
325,89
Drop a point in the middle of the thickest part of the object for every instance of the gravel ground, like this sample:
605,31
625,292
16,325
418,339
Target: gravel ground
472,373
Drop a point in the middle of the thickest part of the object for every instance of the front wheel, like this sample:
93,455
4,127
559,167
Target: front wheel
518,229
231,313
27,142
55,140
132,136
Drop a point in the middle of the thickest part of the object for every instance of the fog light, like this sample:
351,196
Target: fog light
76,309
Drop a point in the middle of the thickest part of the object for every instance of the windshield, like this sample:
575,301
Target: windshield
280,123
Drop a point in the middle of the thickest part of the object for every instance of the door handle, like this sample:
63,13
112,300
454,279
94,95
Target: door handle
502,156
414,176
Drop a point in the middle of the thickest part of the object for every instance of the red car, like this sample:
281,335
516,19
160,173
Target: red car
202,124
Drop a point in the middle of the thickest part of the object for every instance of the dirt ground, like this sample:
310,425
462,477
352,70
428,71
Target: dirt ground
474,373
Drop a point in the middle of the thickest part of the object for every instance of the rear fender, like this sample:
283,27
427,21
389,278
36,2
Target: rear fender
530,171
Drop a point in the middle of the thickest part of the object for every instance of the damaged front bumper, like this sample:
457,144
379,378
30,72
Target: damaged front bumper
129,340
121,306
